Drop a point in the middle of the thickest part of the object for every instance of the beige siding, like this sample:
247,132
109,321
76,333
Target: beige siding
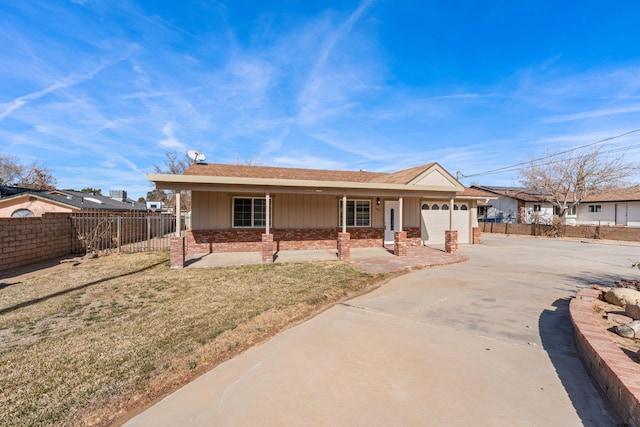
411,212
294,211
210,211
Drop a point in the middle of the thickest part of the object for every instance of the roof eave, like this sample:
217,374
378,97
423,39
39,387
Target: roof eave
166,181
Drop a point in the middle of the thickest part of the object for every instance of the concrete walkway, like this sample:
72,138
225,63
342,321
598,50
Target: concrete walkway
483,343
372,260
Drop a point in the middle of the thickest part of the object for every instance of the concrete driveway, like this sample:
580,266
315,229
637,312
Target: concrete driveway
483,343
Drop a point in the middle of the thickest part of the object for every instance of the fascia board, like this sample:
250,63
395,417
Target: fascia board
164,181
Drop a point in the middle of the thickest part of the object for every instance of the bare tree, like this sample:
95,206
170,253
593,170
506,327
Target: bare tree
174,164
37,176
10,169
566,179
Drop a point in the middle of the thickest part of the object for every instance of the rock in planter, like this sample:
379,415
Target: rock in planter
622,296
633,311
630,330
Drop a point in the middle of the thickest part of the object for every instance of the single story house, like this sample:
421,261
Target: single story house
238,208
517,205
514,205
620,207
37,202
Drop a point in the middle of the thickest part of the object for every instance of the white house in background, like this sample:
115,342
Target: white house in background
621,207
517,205
514,205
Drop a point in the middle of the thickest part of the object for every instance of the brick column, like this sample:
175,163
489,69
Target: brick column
476,235
344,245
177,252
522,214
400,243
451,241
268,248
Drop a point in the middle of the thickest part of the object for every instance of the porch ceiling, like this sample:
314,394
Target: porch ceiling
269,185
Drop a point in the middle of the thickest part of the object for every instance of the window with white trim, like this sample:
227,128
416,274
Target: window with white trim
595,208
251,212
358,213
537,208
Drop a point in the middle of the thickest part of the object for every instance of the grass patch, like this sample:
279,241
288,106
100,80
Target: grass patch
84,346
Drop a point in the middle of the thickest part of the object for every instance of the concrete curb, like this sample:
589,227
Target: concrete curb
617,375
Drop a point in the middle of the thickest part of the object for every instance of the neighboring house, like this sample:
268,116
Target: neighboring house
10,190
37,202
236,207
619,207
513,204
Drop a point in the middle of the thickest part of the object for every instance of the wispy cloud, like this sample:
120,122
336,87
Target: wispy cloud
171,142
594,113
66,82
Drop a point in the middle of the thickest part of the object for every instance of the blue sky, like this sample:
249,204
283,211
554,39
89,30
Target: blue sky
100,90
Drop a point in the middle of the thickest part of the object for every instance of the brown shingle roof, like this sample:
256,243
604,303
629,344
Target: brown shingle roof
242,171
620,195
404,176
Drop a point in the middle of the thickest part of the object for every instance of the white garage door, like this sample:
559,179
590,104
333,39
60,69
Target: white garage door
435,221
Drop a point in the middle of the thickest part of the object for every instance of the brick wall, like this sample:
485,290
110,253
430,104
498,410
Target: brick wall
27,240
250,240
628,234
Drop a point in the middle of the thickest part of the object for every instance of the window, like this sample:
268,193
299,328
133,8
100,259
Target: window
464,208
595,208
425,207
358,213
435,207
22,213
456,207
445,207
537,208
249,212
569,212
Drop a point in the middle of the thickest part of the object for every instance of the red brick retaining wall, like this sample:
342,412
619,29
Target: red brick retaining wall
617,375
250,240
628,234
27,240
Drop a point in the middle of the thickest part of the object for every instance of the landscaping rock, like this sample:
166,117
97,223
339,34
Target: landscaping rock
619,318
622,296
630,330
633,311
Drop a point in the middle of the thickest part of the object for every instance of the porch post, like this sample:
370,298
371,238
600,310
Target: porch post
344,213
178,215
451,213
400,236
451,235
268,245
177,243
344,238
268,205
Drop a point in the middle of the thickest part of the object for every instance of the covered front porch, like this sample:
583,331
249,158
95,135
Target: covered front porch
268,211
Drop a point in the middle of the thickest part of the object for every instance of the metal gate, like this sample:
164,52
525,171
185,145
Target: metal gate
121,232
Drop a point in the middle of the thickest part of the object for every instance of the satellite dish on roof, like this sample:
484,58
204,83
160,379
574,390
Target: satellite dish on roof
196,156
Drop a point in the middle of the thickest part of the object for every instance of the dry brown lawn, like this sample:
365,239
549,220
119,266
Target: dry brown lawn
93,344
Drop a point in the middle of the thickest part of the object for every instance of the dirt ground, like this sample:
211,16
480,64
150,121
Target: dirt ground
629,346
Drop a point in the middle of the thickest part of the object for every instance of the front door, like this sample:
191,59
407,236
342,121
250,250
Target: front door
391,210
621,214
